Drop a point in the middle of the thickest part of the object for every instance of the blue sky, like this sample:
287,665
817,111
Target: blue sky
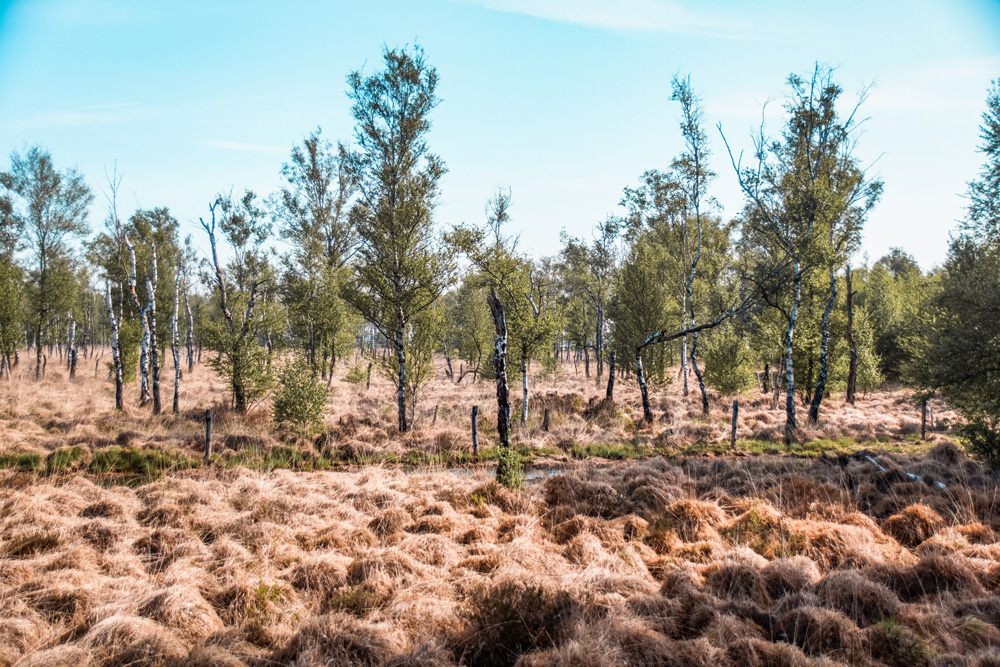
565,101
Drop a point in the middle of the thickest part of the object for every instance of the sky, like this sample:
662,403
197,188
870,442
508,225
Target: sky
566,102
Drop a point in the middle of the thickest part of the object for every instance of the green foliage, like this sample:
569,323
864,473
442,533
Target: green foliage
64,458
982,438
299,398
129,338
241,361
509,467
420,338
11,307
730,364
401,270
138,461
357,373
958,351
23,461
641,305
983,218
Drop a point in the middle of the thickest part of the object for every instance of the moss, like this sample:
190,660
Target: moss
139,461
64,458
23,461
604,451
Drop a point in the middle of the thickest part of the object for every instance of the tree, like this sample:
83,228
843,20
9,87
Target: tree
528,299
242,357
982,219
50,206
312,210
958,352
802,187
401,269
590,271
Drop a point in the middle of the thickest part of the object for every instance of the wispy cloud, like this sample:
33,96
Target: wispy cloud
627,15
104,114
245,147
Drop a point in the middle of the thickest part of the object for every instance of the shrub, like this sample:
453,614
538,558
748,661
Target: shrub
300,398
982,438
357,374
730,365
509,467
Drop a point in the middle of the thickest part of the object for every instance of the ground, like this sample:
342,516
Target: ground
860,544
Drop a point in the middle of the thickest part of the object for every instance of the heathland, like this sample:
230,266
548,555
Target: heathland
628,543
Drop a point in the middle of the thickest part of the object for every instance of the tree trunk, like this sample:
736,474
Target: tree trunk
599,340
697,372
190,331
647,411
176,342
153,349
824,347
790,424
39,353
504,463
524,387
611,378
115,351
450,373
71,349
144,395
767,378
684,347
852,371
586,361
401,359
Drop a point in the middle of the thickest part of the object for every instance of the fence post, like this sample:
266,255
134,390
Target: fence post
736,414
475,434
208,437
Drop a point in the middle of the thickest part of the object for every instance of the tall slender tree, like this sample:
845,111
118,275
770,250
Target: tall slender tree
401,269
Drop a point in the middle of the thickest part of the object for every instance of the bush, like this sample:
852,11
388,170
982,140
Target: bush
357,374
509,467
730,365
982,438
300,398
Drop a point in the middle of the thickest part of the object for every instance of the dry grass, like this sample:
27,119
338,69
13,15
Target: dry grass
39,418
708,560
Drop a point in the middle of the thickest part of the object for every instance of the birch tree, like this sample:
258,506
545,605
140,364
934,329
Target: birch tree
401,269
50,206
798,192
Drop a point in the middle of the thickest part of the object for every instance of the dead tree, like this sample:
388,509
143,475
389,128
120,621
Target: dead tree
503,395
115,349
